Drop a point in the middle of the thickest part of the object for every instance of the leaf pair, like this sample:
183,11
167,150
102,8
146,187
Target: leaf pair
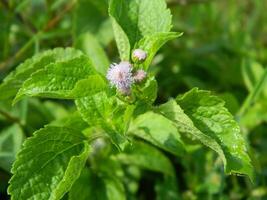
141,24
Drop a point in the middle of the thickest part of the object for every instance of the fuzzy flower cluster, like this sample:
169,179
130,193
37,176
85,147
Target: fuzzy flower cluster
122,76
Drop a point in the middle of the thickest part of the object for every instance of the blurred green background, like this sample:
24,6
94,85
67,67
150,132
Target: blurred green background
223,49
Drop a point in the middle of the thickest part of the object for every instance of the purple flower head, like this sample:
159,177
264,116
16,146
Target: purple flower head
139,76
139,55
120,76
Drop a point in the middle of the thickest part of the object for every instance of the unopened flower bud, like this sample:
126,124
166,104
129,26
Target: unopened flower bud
139,55
139,75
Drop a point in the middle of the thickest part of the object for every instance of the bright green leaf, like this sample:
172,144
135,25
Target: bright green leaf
57,80
134,19
139,18
107,112
13,82
48,164
159,131
204,116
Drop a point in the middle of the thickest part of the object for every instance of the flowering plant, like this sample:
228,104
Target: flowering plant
117,130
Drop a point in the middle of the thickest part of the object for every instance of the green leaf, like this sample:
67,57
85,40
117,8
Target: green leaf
91,47
57,80
134,19
88,87
95,187
48,164
147,92
152,43
159,131
13,82
10,142
204,116
95,108
139,18
146,157
122,40
106,111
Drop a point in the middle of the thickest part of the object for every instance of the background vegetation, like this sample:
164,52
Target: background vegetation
223,49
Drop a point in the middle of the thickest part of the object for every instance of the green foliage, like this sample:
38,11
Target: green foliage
148,126
134,20
87,139
190,118
13,82
48,164
57,80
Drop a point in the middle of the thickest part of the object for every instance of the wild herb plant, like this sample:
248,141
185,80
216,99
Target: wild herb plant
116,129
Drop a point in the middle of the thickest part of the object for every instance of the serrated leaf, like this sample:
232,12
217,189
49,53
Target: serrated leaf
134,19
204,116
11,140
13,82
139,18
48,164
107,112
159,131
91,47
147,157
57,80
94,187
152,43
